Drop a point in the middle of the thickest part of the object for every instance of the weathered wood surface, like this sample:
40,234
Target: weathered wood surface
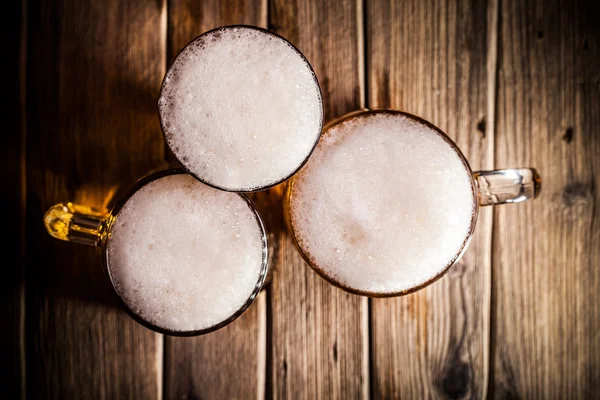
94,70
431,60
319,333
514,83
229,363
13,200
546,308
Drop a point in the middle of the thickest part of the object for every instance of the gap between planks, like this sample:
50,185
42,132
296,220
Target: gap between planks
160,338
365,303
491,100
23,194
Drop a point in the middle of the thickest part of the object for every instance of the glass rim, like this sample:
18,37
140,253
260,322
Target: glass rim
474,215
319,92
113,215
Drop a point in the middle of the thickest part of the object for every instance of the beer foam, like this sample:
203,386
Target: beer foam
184,256
241,108
384,204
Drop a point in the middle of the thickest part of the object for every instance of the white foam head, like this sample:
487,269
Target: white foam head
241,108
184,256
384,204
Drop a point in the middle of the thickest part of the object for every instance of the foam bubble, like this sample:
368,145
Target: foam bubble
383,205
185,256
240,108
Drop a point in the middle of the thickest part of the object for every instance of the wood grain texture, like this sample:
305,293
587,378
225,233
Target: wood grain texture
94,70
190,18
12,155
229,363
430,59
319,333
225,364
546,300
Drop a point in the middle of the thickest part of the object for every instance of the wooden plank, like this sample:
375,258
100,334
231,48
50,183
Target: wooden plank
13,158
221,365
228,363
190,18
546,308
94,72
430,59
319,333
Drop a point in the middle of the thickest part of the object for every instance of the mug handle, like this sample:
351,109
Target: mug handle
504,186
76,223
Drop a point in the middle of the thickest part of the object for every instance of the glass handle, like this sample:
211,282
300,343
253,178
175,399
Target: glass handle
76,223
507,185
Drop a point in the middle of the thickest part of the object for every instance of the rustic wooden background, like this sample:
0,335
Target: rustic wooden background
514,82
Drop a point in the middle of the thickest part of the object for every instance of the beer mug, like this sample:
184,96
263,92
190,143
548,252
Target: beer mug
240,108
388,202
184,258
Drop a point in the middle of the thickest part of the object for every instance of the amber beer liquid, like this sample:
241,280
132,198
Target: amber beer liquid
241,108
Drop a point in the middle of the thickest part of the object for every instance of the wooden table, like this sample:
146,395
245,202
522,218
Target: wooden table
514,83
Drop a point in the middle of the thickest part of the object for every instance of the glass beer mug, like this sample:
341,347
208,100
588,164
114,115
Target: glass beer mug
184,258
388,202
